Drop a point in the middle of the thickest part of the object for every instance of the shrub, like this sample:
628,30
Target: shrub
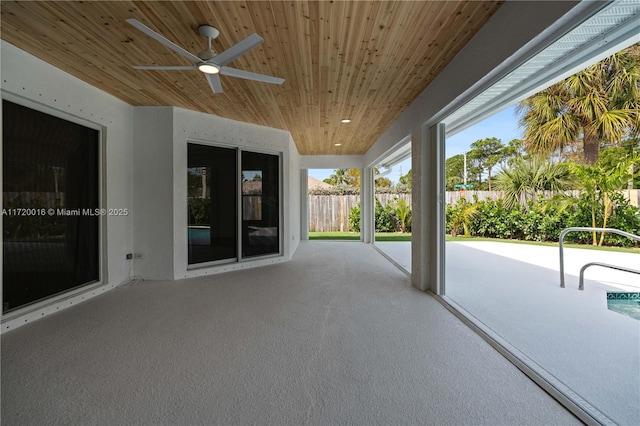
354,218
385,218
626,218
580,215
335,190
33,227
403,214
461,215
492,220
199,211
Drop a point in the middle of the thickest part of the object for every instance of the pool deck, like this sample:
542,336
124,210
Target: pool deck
514,289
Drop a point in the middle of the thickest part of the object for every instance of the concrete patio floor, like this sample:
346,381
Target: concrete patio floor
336,336
514,290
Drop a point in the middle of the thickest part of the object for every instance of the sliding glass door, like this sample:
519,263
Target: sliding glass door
219,226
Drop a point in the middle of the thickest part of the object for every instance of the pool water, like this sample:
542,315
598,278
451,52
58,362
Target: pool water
199,236
624,303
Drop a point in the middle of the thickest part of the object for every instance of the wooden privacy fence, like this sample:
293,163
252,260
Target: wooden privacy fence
330,213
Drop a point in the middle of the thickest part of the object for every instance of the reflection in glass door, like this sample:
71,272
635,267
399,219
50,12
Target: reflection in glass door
212,204
260,204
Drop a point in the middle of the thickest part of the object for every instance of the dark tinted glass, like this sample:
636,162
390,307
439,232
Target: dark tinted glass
260,204
212,203
50,196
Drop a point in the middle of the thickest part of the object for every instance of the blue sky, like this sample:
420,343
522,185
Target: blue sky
503,125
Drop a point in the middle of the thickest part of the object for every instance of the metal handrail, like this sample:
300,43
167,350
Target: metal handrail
604,265
585,229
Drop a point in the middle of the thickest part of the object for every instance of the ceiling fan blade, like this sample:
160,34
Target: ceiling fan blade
148,31
166,68
214,83
234,72
237,49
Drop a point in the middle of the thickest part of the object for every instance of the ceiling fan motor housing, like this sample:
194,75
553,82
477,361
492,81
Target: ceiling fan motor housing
207,54
208,31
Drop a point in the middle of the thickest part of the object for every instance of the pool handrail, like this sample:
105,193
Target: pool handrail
587,229
604,265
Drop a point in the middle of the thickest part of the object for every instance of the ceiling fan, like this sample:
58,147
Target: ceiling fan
209,62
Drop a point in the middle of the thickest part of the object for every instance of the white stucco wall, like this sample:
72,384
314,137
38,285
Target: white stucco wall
331,161
293,203
160,154
27,80
153,157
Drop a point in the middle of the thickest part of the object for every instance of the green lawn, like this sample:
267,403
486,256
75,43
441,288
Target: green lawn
397,236
384,236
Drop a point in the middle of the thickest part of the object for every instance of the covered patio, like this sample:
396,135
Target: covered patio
292,343
308,333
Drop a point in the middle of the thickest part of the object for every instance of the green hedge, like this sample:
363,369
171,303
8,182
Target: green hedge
543,220
386,218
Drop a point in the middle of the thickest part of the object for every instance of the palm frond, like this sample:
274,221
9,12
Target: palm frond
599,103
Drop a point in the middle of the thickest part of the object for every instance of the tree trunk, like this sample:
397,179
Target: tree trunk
607,212
489,178
591,146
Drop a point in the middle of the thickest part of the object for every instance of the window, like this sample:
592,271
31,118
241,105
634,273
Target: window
51,225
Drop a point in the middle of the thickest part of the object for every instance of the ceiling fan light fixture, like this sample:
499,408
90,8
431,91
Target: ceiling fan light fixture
208,68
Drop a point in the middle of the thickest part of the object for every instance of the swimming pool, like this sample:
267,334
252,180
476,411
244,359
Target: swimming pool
624,303
199,236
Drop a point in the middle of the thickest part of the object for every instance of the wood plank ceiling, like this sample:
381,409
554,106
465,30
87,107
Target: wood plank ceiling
362,60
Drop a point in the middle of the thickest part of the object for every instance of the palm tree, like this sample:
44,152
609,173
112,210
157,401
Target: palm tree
521,182
403,211
462,214
338,177
597,105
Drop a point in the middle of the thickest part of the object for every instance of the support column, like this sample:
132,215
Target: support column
304,204
367,221
427,242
